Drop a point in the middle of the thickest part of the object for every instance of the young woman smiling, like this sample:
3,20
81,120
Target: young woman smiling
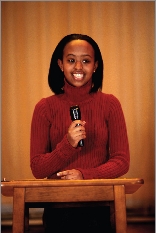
75,76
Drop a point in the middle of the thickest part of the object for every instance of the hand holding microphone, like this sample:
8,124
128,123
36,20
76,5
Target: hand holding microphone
79,130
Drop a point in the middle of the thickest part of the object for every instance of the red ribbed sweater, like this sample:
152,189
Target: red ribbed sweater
106,151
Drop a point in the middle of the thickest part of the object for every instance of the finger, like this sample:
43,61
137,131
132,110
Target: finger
83,123
68,177
63,173
60,174
78,122
80,131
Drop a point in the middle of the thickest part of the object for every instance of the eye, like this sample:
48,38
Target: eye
71,60
86,61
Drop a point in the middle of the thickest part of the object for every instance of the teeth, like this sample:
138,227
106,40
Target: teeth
78,75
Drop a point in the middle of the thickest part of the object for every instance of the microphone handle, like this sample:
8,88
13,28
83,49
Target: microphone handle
75,114
81,142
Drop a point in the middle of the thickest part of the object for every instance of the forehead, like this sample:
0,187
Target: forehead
78,47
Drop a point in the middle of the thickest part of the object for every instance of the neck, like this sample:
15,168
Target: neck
77,94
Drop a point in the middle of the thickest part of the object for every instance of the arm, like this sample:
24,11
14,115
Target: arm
43,160
119,157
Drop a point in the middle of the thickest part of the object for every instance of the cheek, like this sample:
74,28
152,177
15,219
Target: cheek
67,74
67,68
90,67
90,70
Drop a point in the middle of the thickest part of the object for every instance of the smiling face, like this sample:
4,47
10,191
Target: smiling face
78,63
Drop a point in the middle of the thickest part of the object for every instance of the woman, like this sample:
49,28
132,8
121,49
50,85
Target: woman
75,76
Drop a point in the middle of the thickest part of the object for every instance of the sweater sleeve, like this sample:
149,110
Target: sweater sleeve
44,161
119,156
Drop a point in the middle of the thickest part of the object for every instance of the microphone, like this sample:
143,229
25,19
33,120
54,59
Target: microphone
76,115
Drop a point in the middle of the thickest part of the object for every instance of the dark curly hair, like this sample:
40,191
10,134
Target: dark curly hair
56,76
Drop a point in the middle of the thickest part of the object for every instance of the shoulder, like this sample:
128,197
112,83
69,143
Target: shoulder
109,103
49,106
42,106
44,102
108,99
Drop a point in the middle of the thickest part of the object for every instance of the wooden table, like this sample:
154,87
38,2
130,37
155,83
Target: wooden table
112,192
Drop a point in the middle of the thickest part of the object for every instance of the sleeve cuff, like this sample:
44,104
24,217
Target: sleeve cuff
66,149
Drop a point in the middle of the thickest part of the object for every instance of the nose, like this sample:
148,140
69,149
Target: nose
78,65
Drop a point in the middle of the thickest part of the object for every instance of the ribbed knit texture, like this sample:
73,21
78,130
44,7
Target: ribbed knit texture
106,151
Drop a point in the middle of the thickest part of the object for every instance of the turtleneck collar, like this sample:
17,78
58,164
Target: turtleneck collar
77,94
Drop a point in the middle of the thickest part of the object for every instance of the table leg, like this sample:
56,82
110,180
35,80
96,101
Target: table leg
26,218
18,210
120,209
112,216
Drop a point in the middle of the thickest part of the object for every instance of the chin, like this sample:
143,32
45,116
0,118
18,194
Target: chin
77,84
